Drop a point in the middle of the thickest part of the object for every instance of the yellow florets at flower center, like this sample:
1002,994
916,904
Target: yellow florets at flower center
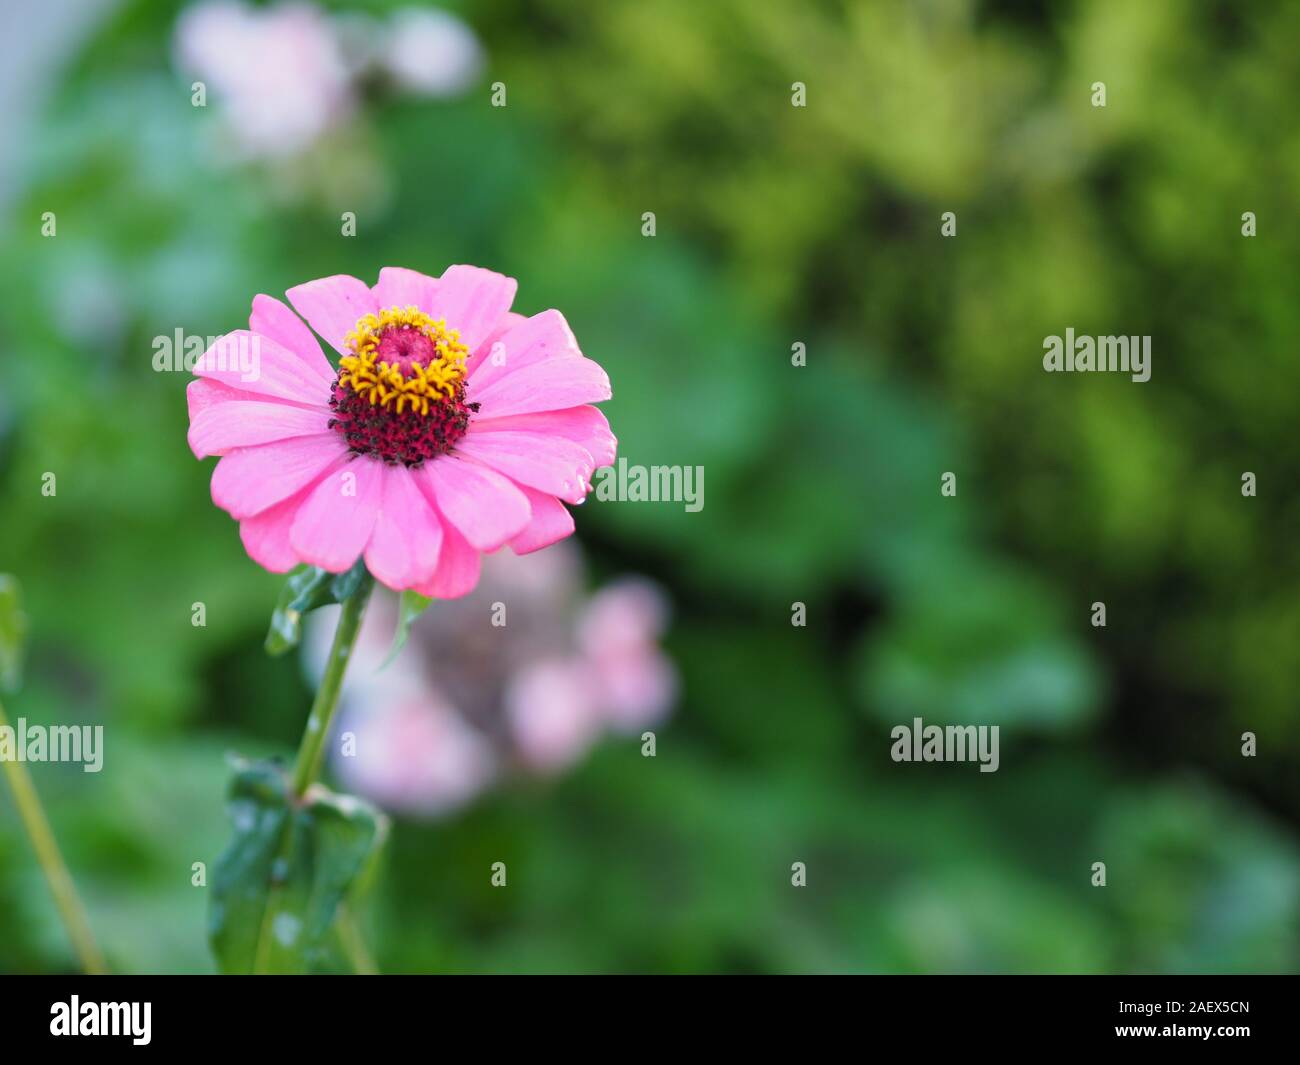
404,360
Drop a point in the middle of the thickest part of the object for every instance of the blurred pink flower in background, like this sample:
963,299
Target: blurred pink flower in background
278,72
468,702
288,74
413,751
618,634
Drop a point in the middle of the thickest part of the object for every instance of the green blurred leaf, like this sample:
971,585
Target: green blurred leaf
13,633
308,588
411,606
988,646
278,886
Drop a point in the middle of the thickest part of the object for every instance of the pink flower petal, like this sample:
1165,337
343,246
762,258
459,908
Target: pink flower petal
583,425
550,523
485,507
508,321
458,567
473,301
272,318
266,535
543,336
332,306
202,393
224,426
404,546
250,479
399,287
251,362
334,523
551,464
551,385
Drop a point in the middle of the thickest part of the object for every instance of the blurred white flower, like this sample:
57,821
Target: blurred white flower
278,72
288,75
430,52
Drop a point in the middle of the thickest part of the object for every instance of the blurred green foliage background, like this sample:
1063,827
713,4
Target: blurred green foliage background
775,225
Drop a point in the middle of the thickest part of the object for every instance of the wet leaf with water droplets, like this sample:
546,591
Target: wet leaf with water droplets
278,888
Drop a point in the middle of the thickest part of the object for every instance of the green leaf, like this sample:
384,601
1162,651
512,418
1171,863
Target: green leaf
13,633
988,645
345,585
278,887
411,606
308,588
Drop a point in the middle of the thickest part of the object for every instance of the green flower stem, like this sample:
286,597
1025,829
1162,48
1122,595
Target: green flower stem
312,749
51,861
354,946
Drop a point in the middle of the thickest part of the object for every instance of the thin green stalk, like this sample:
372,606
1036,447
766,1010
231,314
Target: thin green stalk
311,753
312,749
51,861
354,946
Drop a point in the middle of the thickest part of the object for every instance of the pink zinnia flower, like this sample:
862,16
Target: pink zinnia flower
452,427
